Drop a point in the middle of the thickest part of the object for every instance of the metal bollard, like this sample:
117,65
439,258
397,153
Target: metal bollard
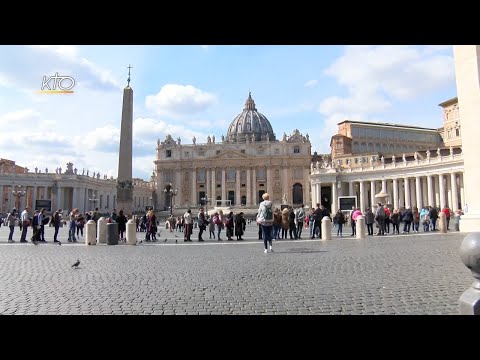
442,223
470,254
90,233
102,231
131,232
326,228
112,233
360,227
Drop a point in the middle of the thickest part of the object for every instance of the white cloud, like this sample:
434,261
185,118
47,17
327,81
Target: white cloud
174,100
5,80
82,69
376,77
311,83
65,51
22,117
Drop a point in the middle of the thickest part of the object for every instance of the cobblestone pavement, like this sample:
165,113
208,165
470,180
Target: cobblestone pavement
405,274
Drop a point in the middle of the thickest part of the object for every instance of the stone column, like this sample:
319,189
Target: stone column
362,198
467,76
395,193
437,193
314,192
2,198
224,186
60,192
286,183
454,204
334,199
384,185
34,197
350,188
424,192
193,195
249,188
75,201
372,194
213,191
237,187
269,182
319,193
418,190
254,187
306,190
441,180
208,183
179,185
401,200
407,191
430,191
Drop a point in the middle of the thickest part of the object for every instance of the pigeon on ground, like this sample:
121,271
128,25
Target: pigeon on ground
59,243
176,235
35,242
165,240
176,240
76,264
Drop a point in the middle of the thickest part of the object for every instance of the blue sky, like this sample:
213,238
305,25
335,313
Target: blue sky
189,91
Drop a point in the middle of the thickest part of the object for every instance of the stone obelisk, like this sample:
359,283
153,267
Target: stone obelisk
124,179
467,74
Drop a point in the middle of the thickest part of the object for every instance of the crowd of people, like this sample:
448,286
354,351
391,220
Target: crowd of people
273,223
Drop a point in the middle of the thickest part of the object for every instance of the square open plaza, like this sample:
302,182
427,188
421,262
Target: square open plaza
383,224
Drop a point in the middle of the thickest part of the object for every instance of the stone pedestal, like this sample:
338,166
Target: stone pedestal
442,223
467,75
101,231
326,228
90,233
131,232
469,303
360,227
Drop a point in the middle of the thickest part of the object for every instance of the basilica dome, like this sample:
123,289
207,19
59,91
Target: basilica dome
250,123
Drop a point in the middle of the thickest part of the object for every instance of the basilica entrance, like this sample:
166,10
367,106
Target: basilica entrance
297,194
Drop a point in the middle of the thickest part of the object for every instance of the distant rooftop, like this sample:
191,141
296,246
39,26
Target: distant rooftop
387,124
449,102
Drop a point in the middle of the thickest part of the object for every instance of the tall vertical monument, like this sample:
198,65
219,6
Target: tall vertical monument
467,74
124,179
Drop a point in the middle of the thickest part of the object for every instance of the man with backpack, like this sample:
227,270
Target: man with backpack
265,220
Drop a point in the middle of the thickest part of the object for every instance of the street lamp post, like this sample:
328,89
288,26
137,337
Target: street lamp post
17,194
171,193
205,199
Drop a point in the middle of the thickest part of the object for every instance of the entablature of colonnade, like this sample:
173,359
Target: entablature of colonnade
444,164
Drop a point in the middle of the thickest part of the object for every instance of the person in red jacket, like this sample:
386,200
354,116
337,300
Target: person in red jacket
447,212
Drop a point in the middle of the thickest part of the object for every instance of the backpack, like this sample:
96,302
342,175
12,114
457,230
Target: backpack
268,214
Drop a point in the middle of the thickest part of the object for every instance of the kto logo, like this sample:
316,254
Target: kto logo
57,84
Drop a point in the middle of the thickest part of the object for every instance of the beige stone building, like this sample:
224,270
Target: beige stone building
450,131
66,189
245,163
415,166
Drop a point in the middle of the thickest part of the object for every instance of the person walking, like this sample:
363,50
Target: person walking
300,219
11,218
369,220
202,224
265,219
240,225
188,226
56,219
121,219
339,220
25,220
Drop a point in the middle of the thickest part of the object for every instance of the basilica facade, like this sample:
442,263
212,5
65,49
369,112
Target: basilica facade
236,169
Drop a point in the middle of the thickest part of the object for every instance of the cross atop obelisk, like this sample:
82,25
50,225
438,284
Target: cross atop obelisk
124,180
128,80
